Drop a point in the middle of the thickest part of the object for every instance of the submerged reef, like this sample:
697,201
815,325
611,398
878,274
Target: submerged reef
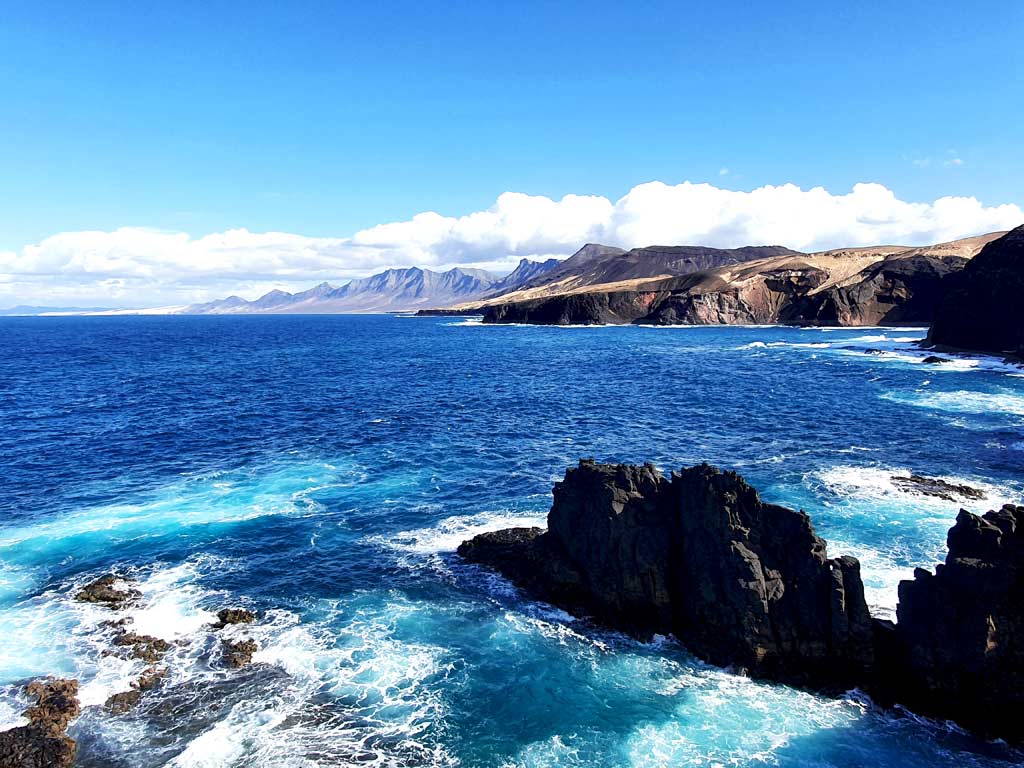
749,585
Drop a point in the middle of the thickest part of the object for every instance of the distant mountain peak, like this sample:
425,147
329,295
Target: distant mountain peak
392,290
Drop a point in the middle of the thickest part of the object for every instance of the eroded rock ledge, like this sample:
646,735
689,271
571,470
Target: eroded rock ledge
747,584
43,743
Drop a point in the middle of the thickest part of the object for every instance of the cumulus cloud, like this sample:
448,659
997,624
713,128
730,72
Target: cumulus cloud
135,266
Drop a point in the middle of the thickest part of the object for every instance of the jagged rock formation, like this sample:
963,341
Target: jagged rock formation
700,555
226,616
749,584
43,743
238,653
145,647
961,629
980,310
105,591
934,486
124,701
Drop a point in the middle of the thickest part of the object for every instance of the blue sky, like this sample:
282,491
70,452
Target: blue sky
327,118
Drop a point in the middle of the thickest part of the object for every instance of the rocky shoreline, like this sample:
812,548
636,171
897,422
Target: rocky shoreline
750,586
44,741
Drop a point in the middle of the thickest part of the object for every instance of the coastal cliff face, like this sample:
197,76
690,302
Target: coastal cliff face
697,554
898,291
901,291
981,309
749,584
601,308
961,629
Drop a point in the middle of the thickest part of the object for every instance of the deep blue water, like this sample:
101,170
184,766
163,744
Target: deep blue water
323,469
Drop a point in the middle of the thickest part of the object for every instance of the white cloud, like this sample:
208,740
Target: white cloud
135,266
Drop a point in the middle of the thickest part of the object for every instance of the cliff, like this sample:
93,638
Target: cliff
980,310
747,584
883,285
697,554
961,629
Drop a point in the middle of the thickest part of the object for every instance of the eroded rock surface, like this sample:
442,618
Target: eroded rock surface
43,743
749,584
226,616
238,653
127,700
962,628
698,554
145,647
941,489
106,591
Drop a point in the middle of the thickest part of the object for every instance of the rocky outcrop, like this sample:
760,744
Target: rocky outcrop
697,554
938,488
124,701
145,647
238,653
226,616
235,653
980,310
44,742
747,584
109,590
961,629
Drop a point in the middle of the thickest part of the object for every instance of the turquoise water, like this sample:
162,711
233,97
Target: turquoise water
322,470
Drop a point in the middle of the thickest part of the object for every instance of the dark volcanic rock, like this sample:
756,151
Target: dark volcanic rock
746,583
962,629
933,486
226,616
43,743
105,592
145,647
596,308
238,653
698,554
936,360
899,291
127,700
981,308
124,701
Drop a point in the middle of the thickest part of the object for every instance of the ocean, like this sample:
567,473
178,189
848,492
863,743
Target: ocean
322,470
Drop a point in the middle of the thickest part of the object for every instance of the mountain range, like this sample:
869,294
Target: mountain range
394,290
